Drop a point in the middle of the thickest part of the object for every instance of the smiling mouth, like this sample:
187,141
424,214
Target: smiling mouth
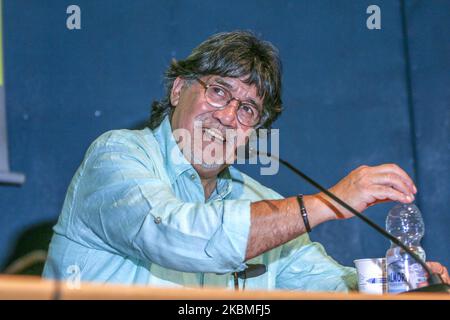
214,135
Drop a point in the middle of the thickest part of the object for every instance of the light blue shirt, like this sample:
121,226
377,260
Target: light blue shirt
135,213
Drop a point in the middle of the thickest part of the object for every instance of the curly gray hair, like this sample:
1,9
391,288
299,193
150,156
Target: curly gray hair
230,54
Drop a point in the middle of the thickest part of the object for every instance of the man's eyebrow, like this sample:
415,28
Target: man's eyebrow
229,86
223,83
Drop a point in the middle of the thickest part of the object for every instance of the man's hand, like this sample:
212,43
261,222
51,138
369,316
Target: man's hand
274,222
439,269
366,186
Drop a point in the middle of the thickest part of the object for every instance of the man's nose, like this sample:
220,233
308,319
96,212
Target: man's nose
228,115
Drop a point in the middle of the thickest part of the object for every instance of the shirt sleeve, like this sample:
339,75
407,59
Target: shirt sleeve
120,204
305,266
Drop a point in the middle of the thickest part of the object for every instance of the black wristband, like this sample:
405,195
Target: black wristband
303,212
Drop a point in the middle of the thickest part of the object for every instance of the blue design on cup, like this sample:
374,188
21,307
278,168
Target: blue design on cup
376,280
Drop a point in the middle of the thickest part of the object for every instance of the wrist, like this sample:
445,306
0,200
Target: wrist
303,212
319,209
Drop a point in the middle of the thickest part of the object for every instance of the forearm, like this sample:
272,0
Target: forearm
275,222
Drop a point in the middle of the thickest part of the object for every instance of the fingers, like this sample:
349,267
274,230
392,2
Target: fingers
439,269
385,193
435,267
394,181
395,169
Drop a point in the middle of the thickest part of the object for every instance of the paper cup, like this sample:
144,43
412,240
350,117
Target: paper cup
371,275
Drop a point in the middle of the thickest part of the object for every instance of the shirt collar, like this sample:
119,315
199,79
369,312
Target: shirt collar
175,162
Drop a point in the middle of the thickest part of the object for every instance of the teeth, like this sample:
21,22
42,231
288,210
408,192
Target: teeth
215,134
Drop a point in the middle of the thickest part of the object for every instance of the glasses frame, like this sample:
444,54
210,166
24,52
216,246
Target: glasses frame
261,114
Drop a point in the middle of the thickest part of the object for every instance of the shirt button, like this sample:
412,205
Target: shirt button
157,220
193,176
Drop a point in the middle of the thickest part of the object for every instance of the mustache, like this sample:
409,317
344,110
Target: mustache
231,135
208,125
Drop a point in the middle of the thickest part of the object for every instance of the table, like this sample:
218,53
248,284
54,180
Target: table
31,287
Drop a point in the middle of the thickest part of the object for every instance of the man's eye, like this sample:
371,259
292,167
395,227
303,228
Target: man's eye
248,109
218,91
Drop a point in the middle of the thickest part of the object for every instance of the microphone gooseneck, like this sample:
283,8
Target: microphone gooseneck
433,279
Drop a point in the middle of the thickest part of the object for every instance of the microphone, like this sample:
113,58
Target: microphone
253,270
434,280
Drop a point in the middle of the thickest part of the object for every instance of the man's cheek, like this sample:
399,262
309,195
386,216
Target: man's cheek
238,137
235,142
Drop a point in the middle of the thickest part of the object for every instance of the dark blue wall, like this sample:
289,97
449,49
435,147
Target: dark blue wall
352,96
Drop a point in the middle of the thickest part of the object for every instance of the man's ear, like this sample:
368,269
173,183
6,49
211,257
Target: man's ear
176,91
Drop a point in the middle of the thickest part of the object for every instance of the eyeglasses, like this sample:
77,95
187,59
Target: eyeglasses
219,97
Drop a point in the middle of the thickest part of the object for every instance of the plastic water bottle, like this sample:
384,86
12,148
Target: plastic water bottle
405,222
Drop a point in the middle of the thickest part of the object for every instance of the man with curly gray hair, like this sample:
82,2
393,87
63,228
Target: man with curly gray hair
145,206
